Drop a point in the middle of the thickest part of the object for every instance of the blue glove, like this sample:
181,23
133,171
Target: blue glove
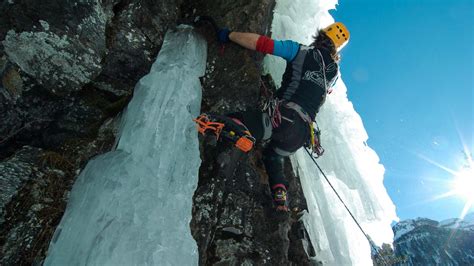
223,35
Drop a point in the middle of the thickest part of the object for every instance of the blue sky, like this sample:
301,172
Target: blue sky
409,69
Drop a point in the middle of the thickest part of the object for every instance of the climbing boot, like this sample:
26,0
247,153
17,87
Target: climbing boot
280,200
229,128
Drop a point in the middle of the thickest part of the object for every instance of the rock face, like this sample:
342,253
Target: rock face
233,219
66,65
35,185
61,46
232,80
427,242
68,68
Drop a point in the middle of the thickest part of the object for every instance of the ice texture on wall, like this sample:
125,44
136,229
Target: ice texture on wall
132,206
351,166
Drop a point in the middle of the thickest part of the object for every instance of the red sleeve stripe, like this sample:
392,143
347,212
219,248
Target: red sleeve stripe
265,45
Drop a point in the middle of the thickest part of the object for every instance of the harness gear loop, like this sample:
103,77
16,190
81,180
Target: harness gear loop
271,106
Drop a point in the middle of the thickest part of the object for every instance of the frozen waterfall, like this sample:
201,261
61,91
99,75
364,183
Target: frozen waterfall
132,206
351,166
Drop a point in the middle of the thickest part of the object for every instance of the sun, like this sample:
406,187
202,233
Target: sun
463,183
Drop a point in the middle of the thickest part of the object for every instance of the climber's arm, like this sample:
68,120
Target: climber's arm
245,39
285,49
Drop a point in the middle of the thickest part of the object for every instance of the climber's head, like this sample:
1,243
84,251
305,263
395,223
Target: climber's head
334,37
338,33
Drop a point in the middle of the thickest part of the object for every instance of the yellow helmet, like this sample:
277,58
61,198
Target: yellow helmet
338,33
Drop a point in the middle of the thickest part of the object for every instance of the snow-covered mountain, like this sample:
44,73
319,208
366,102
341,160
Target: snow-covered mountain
467,223
423,241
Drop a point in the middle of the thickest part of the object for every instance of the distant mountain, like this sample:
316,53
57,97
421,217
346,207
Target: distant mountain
426,242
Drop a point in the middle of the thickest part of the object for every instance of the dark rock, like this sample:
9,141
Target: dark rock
134,37
233,219
14,172
80,119
34,192
52,51
65,68
59,44
232,78
12,83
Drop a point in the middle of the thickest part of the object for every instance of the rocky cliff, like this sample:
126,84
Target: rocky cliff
426,242
68,69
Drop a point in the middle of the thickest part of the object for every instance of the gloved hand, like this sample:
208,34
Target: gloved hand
223,35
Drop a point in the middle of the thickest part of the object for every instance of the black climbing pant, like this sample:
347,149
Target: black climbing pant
287,138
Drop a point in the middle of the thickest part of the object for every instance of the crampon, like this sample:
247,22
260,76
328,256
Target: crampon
229,128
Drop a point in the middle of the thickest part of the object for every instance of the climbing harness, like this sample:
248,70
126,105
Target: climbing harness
372,244
271,106
242,139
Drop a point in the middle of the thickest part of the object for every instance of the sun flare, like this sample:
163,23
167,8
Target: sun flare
463,184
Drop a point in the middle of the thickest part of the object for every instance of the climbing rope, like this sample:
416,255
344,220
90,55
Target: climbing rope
372,244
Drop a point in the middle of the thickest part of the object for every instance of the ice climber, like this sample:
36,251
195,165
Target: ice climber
310,73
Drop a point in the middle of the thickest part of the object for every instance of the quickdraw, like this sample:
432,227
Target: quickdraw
270,104
272,107
315,141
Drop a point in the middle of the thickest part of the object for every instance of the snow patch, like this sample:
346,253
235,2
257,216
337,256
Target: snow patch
467,223
403,228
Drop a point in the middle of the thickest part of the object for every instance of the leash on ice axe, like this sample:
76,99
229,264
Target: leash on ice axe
372,244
